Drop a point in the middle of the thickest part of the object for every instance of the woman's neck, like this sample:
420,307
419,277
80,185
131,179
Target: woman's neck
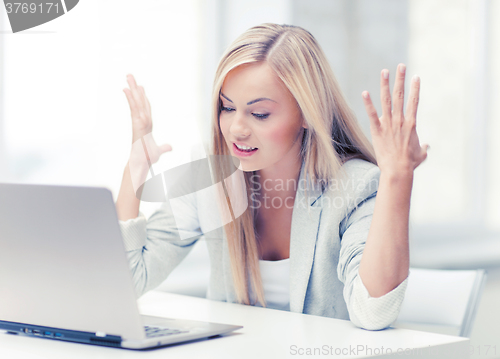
279,181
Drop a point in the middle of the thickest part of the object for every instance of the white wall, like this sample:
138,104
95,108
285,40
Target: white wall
66,118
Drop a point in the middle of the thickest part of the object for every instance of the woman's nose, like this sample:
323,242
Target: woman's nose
239,127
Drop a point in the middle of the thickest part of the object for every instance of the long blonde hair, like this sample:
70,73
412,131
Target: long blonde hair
333,134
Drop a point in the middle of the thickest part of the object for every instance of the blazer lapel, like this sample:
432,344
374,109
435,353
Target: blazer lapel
304,231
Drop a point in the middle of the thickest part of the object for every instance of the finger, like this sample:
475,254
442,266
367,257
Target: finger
131,82
385,94
133,88
371,110
398,94
141,103
424,148
145,101
131,101
165,148
142,92
142,96
411,108
148,104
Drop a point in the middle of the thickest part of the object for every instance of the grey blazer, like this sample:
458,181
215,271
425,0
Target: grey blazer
328,233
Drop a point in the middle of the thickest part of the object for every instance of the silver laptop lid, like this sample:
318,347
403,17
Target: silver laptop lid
63,262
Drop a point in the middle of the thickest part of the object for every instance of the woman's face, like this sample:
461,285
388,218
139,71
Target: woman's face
258,111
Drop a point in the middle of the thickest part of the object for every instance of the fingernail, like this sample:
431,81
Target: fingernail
386,74
416,78
402,68
365,94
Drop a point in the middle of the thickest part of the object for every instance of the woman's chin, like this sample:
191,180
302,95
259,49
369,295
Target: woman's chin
245,167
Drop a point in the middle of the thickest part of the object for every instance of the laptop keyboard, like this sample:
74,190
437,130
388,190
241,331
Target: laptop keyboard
152,332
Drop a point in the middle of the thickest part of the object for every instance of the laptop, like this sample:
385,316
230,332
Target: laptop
64,272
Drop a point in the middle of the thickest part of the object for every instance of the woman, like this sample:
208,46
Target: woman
334,245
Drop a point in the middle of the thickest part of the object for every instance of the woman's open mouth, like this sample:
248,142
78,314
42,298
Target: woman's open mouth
243,152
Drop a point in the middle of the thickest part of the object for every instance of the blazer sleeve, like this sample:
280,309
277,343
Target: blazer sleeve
155,246
364,311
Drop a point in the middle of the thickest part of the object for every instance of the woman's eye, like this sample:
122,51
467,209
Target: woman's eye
256,115
227,109
259,116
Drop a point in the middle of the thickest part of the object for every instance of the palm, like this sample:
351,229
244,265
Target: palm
144,147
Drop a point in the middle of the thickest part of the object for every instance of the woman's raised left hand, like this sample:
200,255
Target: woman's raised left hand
394,135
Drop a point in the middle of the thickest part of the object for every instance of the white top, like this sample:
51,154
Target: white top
276,282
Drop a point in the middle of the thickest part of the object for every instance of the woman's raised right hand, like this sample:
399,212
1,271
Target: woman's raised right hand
142,124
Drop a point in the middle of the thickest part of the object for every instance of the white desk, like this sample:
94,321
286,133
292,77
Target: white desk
267,333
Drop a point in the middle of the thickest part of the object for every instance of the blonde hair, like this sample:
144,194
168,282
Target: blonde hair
333,134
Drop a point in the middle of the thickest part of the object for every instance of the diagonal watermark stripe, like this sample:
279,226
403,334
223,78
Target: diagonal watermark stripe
190,183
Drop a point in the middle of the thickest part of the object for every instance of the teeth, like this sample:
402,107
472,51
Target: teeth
245,148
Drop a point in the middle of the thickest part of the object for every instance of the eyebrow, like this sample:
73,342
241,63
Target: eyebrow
251,102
